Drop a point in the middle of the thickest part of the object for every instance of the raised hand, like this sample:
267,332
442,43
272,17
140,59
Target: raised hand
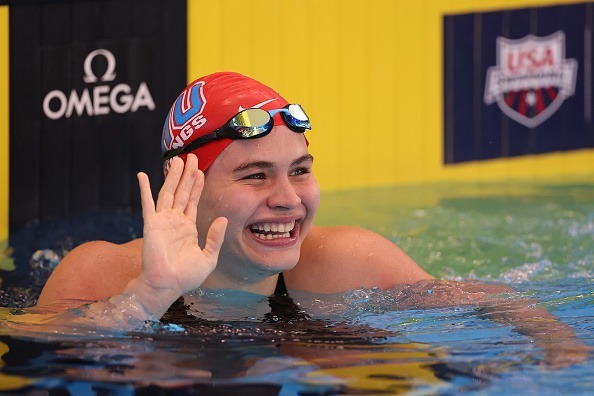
172,261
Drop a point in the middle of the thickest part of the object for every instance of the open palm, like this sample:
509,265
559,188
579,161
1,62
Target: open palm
172,261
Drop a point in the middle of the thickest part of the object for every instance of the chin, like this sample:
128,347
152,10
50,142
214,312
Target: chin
275,264
255,261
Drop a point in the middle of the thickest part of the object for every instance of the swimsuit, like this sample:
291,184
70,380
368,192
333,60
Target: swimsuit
282,308
281,288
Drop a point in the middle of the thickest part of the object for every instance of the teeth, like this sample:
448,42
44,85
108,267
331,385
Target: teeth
272,236
281,230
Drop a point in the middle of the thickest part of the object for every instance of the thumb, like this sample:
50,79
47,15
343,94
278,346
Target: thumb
215,238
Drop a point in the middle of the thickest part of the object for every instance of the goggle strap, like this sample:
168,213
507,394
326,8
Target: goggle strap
190,147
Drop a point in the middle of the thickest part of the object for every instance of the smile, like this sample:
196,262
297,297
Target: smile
267,231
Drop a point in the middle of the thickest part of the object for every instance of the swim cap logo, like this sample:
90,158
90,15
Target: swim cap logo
532,78
102,99
185,117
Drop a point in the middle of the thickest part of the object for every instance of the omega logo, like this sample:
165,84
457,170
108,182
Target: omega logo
101,99
109,73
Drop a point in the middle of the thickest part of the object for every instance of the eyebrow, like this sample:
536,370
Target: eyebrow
268,164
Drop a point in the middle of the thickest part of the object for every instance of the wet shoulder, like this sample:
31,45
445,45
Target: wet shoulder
323,261
103,255
93,271
335,259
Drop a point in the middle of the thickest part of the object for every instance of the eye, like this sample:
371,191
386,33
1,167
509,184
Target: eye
255,176
300,171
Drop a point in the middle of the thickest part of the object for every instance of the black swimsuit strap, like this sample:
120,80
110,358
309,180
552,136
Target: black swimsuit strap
282,308
281,288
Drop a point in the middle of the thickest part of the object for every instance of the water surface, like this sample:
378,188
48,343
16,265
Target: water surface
536,237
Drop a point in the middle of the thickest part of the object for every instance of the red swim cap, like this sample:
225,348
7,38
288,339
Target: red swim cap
207,104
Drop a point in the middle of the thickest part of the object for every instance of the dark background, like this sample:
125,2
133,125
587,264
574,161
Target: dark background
74,179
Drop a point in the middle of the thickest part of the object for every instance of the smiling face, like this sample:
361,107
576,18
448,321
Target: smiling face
266,189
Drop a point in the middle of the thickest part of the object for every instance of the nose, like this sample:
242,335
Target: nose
283,195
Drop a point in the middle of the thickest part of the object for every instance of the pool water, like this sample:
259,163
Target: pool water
535,237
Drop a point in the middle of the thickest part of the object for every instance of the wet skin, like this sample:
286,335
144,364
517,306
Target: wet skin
266,189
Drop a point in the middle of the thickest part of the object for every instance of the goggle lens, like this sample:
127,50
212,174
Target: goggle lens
251,122
297,112
297,118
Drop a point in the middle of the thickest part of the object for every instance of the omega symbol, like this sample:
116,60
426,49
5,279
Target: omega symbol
111,64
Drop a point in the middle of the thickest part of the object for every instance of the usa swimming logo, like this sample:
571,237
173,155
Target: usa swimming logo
185,117
532,78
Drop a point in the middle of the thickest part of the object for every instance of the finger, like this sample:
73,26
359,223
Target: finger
192,207
167,192
146,195
186,183
215,238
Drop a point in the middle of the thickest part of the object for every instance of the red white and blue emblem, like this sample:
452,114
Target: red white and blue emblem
185,117
532,78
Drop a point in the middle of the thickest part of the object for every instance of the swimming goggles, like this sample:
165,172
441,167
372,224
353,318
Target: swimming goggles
249,124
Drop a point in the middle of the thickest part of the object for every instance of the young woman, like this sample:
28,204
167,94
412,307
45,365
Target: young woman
236,211
240,226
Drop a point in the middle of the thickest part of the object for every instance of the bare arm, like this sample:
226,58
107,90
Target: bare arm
172,261
502,304
336,259
558,341
92,271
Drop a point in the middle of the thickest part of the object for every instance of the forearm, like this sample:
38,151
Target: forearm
131,309
496,302
558,341
502,304
122,312
527,318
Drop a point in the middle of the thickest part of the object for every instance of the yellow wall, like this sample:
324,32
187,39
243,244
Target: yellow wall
369,73
3,124
6,262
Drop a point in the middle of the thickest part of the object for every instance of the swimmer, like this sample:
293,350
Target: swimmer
236,211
